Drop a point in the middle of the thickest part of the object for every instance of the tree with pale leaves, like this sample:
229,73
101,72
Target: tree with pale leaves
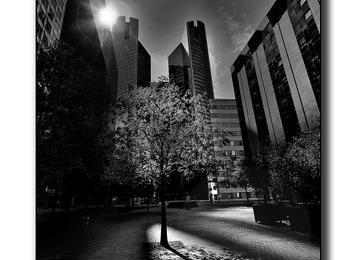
167,131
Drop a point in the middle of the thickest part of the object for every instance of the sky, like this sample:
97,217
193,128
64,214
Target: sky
229,25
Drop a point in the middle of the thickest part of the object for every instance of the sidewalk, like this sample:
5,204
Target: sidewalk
122,236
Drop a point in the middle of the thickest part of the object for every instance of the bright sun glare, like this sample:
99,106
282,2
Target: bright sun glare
107,16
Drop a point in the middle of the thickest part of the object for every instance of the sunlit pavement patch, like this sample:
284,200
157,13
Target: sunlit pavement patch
192,252
153,235
190,249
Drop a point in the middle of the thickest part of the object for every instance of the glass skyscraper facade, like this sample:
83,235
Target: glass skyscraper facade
179,68
49,14
199,59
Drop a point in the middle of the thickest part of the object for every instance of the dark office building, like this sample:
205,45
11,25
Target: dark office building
80,32
111,65
277,76
199,59
144,66
49,18
179,68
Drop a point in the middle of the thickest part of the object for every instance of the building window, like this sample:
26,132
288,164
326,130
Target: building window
58,13
45,3
44,40
126,33
308,14
41,16
302,41
51,15
54,4
280,62
48,28
233,153
302,2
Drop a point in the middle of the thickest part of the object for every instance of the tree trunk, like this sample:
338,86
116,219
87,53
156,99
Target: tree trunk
246,193
163,238
148,203
54,206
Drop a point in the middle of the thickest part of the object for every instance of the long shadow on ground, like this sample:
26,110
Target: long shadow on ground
69,238
252,239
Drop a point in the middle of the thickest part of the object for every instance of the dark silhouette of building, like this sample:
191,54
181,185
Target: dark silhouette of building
111,65
179,68
49,14
79,32
144,66
277,76
199,59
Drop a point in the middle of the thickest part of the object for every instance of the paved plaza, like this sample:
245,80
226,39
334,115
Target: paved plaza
121,235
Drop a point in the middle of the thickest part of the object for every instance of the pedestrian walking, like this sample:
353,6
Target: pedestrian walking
85,220
187,201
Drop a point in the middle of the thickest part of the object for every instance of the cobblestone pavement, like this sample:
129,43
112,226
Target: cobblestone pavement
120,236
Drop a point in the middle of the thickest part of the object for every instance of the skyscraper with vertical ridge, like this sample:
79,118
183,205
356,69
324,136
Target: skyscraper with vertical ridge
199,59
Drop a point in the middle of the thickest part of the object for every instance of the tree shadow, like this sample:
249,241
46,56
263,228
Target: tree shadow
168,247
240,243
280,230
149,247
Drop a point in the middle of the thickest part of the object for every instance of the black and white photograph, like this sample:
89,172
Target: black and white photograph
178,129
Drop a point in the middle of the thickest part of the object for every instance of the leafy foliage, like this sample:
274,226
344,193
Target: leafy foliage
163,131
159,131
295,167
65,122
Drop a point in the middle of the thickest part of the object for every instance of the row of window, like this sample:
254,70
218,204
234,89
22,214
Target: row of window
227,124
226,107
224,115
229,153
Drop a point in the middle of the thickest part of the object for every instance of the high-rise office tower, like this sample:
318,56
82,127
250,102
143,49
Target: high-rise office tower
80,32
179,68
277,76
199,59
132,59
144,66
111,64
49,20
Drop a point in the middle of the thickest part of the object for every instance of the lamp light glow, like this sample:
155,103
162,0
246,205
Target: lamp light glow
107,16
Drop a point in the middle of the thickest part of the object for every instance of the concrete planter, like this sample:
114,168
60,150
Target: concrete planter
269,213
306,218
